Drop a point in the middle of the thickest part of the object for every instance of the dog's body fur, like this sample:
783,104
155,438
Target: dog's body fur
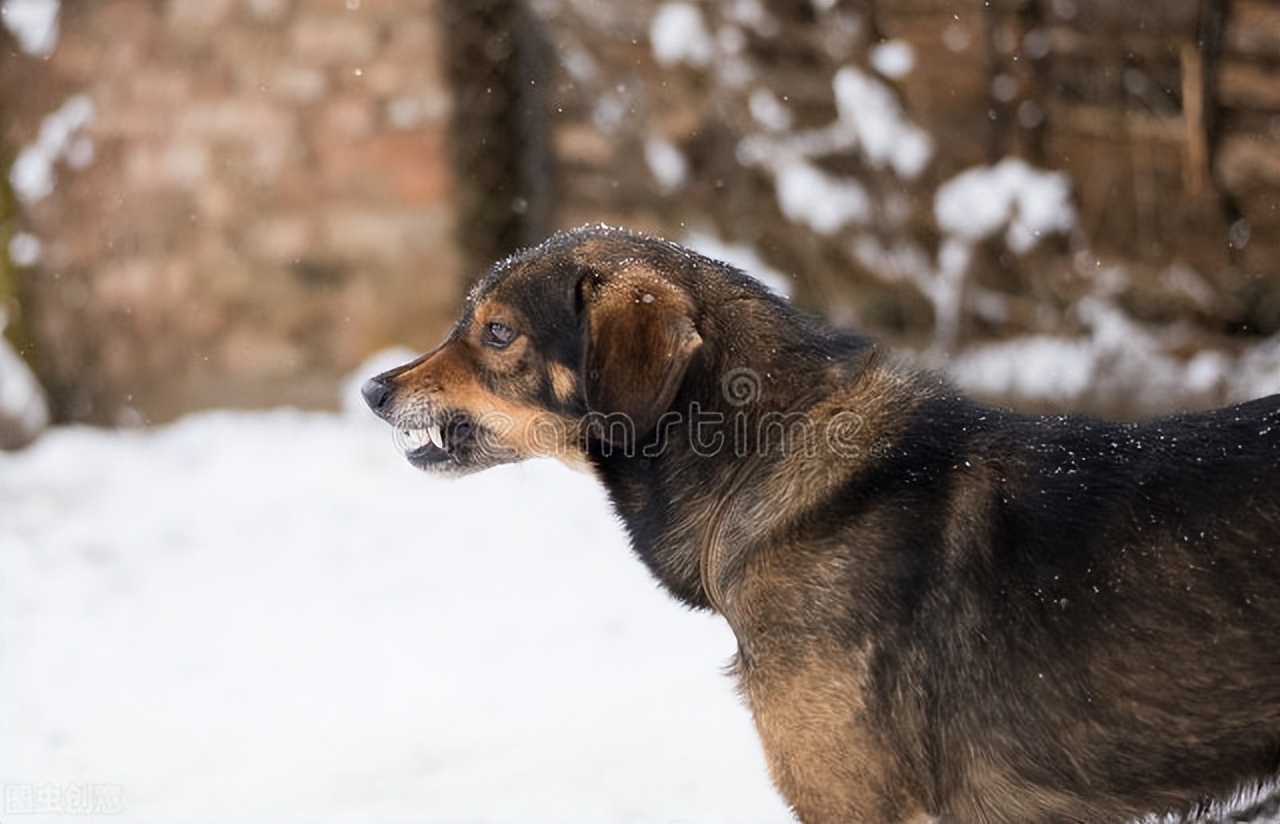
944,611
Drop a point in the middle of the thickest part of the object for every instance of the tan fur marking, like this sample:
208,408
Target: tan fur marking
819,751
564,384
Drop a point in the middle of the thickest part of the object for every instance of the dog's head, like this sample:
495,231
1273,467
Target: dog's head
595,324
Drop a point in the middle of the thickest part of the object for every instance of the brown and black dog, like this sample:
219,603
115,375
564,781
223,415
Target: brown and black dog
945,612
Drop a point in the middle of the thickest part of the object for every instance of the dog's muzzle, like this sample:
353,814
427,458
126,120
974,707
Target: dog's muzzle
431,439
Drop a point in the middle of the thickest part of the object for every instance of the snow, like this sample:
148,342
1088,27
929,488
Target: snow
893,59
23,411
769,111
942,285
678,34
1039,366
25,249
886,137
825,203
272,616
1027,202
945,290
754,15
1118,362
869,121
34,23
60,138
666,163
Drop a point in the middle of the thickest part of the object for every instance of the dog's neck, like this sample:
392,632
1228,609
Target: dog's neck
724,441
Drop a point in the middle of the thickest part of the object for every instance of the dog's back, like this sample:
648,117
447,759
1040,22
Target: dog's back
1120,588
1058,618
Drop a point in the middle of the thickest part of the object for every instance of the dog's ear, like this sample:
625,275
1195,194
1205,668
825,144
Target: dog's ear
640,336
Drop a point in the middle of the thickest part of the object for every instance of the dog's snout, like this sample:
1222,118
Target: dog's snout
377,392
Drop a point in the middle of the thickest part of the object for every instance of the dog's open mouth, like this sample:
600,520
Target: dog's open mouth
437,443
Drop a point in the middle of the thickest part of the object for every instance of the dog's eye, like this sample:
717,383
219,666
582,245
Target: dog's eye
498,335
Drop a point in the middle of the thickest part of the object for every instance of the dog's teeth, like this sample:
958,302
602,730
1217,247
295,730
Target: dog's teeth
417,438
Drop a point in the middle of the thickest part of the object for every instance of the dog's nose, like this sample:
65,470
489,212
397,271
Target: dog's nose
376,393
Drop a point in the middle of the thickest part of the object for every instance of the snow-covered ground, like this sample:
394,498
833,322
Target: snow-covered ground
273,617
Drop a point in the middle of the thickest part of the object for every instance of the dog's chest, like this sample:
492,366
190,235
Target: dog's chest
811,715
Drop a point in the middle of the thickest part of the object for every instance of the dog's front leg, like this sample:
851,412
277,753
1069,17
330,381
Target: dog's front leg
822,755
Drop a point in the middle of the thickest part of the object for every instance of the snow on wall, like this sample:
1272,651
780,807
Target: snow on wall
666,162
823,202
886,137
61,138
869,120
1028,203
678,33
1119,364
769,111
893,59
34,23
1011,195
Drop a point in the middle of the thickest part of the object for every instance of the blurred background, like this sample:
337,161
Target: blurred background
234,202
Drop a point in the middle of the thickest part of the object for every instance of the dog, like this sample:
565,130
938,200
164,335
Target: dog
945,611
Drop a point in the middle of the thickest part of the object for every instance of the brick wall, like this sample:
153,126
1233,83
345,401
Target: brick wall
259,195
